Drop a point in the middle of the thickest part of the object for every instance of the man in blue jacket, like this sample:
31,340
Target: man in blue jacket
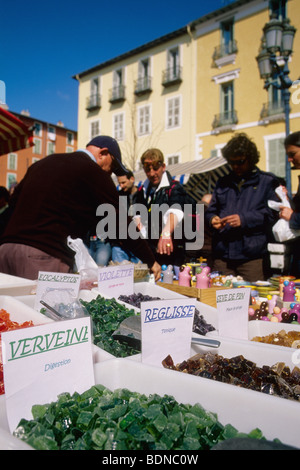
239,215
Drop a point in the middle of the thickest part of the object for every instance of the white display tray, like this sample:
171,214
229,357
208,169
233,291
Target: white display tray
13,285
245,409
264,328
20,312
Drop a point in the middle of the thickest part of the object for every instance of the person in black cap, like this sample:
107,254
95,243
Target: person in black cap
58,197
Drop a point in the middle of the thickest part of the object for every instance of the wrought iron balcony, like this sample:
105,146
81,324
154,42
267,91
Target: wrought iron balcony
117,94
143,85
227,119
172,76
274,110
224,50
93,102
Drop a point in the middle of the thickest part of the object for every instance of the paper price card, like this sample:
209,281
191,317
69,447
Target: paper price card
114,281
55,288
232,307
43,361
166,329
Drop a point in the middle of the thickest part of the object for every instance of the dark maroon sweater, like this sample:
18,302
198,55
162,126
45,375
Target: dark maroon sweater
57,198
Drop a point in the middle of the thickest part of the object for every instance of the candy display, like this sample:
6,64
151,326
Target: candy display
289,339
276,380
100,419
200,325
6,324
106,315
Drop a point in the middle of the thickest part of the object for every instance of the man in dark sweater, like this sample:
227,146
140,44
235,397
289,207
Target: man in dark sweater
57,198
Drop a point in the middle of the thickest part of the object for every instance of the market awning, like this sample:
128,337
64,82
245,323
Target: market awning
198,177
14,134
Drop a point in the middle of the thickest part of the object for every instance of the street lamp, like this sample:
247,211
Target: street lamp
277,45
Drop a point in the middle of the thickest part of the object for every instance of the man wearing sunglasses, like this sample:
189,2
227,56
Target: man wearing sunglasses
239,215
158,191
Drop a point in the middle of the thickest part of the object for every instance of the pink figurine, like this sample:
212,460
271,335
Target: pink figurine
203,278
289,291
185,277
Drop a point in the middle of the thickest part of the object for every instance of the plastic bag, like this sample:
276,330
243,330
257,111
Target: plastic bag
85,265
281,230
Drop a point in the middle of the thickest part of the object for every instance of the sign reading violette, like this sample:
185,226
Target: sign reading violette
114,281
41,362
166,329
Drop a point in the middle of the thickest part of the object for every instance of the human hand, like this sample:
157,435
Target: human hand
156,269
285,212
165,246
233,220
217,223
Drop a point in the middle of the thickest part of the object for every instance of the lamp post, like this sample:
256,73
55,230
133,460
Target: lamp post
277,46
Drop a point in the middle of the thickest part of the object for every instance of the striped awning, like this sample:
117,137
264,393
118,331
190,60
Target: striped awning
198,177
14,134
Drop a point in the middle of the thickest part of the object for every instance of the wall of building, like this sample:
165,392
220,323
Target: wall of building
26,157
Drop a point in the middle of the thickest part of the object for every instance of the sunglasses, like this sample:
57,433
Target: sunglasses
237,162
155,166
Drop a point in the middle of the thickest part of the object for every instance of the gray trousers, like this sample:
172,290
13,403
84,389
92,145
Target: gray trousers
25,261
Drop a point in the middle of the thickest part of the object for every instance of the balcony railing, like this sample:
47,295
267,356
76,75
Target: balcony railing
117,94
227,119
271,110
224,50
142,85
172,76
93,102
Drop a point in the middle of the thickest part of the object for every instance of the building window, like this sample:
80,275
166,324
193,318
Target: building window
35,159
173,112
173,160
69,149
117,93
144,120
70,138
143,83
10,179
276,157
37,146
50,148
227,37
12,159
52,133
93,101
118,126
94,128
38,128
278,8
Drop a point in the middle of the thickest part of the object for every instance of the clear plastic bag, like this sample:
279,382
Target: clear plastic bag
281,230
85,265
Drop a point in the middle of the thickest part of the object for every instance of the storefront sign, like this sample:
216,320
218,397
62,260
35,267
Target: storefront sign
166,329
43,361
114,281
54,288
232,307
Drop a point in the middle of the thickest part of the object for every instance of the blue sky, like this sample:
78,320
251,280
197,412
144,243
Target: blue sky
43,44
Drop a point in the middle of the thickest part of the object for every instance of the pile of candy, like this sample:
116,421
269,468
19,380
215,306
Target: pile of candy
290,339
6,324
276,380
276,314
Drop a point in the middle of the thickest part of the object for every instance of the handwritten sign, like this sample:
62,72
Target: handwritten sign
114,281
232,308
55,288
166,329
41,362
